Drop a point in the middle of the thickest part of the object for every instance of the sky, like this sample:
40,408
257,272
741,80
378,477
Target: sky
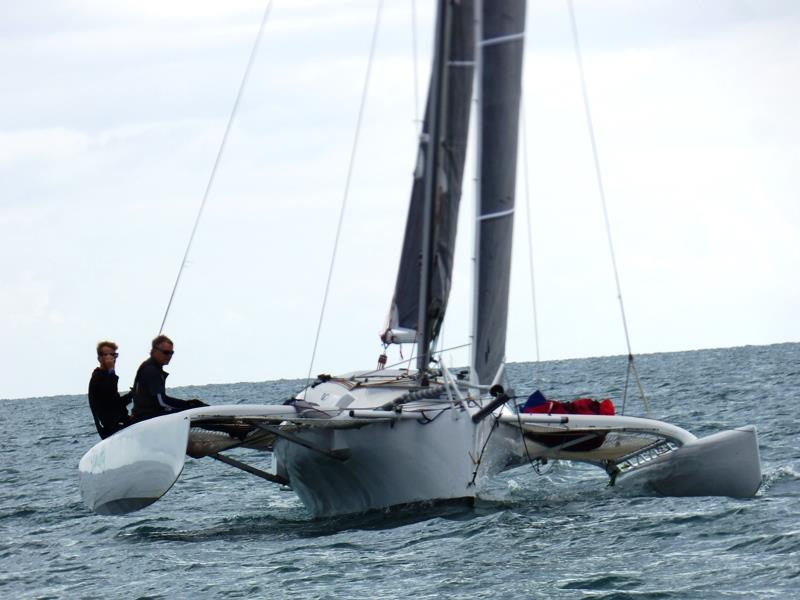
112,114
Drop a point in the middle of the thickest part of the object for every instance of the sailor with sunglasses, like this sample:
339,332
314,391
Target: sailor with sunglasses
109,409
150,398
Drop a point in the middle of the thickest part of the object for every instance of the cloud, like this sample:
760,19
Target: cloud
58,143
111,119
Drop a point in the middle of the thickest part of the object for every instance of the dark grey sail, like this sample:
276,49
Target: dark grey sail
503,25
454,100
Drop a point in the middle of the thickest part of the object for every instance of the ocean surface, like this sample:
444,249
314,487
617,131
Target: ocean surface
222,533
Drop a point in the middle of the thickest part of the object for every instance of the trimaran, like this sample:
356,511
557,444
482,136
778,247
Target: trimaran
382,438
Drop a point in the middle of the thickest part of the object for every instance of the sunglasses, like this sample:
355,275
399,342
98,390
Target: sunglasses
114,354
167,352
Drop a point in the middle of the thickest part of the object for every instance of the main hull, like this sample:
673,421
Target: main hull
434,453
387,465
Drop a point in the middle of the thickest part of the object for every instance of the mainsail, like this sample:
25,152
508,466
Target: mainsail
500,73
456,22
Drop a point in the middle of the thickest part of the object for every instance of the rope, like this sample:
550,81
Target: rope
346,187
483,449
234,110
539,462
522,437
601,190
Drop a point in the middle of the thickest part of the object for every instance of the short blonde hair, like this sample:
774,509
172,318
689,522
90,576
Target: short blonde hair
105,344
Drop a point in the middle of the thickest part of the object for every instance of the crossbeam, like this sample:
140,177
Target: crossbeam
249,469
341,455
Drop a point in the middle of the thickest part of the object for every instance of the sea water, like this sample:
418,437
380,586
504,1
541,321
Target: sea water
223,533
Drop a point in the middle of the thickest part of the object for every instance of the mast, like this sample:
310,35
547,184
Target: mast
437,95
501,24
426,263
478,156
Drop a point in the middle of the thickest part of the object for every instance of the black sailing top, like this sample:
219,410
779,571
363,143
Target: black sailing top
150,395
109,409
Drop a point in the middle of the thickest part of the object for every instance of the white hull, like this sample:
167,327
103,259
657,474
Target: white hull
134,467
388,465
723,464
391,463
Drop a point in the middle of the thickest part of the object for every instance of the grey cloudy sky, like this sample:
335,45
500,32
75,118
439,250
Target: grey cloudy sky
111,115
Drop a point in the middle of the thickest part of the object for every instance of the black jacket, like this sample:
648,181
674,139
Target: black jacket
109,409
149,392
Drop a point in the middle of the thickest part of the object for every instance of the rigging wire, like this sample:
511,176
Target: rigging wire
347,185
539,464
404,361
631,365
536,466
528,215
417,122
625,390
232,116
